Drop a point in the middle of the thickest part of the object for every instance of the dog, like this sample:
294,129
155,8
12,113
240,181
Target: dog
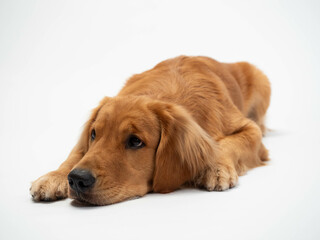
188,121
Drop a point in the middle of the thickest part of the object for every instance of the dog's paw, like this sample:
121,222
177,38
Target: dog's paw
220,178
50,187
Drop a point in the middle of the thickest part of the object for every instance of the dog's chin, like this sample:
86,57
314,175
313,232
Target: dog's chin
85,198
96,199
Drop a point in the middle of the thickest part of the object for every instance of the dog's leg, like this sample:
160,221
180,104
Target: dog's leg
54,185
239,151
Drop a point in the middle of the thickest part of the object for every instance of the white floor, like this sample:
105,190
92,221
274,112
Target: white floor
57,59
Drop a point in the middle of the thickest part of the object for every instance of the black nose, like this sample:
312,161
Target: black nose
81,180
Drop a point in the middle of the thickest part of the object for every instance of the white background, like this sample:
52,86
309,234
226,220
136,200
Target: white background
59,58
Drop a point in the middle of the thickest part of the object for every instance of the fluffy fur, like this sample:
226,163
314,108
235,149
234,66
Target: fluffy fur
201,121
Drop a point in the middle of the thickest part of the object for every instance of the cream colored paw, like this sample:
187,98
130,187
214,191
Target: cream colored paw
221,178
50,187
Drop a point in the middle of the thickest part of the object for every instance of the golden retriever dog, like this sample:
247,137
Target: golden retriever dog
188,121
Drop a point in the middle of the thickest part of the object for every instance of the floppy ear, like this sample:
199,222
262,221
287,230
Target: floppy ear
185,150
82,146
83,143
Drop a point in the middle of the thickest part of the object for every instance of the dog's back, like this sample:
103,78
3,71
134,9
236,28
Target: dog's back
203,85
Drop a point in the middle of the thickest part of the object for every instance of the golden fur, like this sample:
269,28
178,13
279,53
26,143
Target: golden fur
201,121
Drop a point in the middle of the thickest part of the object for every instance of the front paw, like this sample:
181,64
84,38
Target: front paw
220,178
50,187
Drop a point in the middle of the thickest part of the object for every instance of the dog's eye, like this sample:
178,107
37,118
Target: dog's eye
93,134
134,142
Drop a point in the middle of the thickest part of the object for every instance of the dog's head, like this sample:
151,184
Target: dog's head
134,145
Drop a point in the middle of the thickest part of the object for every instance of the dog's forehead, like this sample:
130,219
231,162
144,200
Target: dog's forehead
120,110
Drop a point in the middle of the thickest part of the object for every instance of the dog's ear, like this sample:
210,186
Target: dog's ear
81,148
83,143
185,150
